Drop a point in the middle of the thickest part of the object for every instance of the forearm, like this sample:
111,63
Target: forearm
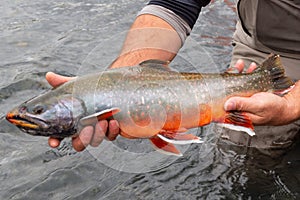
149,37
159,31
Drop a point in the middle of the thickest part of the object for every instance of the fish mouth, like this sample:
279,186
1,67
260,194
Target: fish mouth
20,121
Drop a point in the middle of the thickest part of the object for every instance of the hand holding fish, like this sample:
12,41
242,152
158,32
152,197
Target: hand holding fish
267,108
89,135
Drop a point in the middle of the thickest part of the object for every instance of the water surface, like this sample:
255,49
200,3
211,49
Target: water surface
75,37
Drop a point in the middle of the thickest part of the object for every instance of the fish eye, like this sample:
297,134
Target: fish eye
22,108
38,109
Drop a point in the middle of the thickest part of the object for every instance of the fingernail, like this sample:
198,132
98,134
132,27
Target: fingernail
253,65
239,61
229,105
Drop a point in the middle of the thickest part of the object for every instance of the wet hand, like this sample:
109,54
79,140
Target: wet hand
89,135
266,108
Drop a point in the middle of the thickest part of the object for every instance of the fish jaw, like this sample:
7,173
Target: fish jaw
37,127
26,123
20,122
55,116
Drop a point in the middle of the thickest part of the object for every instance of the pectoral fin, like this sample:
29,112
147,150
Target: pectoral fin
156,64
102,115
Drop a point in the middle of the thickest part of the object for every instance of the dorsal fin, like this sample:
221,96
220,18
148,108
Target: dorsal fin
157,64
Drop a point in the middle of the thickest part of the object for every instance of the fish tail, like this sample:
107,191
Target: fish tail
274,68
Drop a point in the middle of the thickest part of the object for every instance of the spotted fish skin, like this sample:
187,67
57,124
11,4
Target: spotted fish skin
147,100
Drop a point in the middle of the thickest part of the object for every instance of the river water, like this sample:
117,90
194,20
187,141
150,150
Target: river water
74,37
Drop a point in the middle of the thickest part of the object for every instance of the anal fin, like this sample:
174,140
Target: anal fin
178,137
238,121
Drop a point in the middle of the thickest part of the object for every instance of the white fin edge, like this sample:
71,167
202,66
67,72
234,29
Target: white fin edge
181,142
92,119
238,128
99,113
166,152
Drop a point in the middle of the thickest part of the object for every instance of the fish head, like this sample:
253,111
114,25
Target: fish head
54,116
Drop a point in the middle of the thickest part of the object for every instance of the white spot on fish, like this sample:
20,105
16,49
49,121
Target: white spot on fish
143,100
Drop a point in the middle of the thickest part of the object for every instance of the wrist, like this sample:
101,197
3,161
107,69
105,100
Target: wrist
293,99
296,95
292,108
295,109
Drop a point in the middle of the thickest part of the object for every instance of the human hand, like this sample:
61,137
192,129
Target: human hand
266,108
89,135
239,67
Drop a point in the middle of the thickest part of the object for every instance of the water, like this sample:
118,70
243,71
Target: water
75,37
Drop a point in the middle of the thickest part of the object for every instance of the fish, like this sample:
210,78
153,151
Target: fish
150,101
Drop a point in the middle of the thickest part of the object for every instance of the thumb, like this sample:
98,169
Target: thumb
55,79
54,142
238,103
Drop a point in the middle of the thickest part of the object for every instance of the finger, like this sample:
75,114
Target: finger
252,67
255,119
55,80
113,130
99,134
54,142
237,68
81,142
241,104
239,65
